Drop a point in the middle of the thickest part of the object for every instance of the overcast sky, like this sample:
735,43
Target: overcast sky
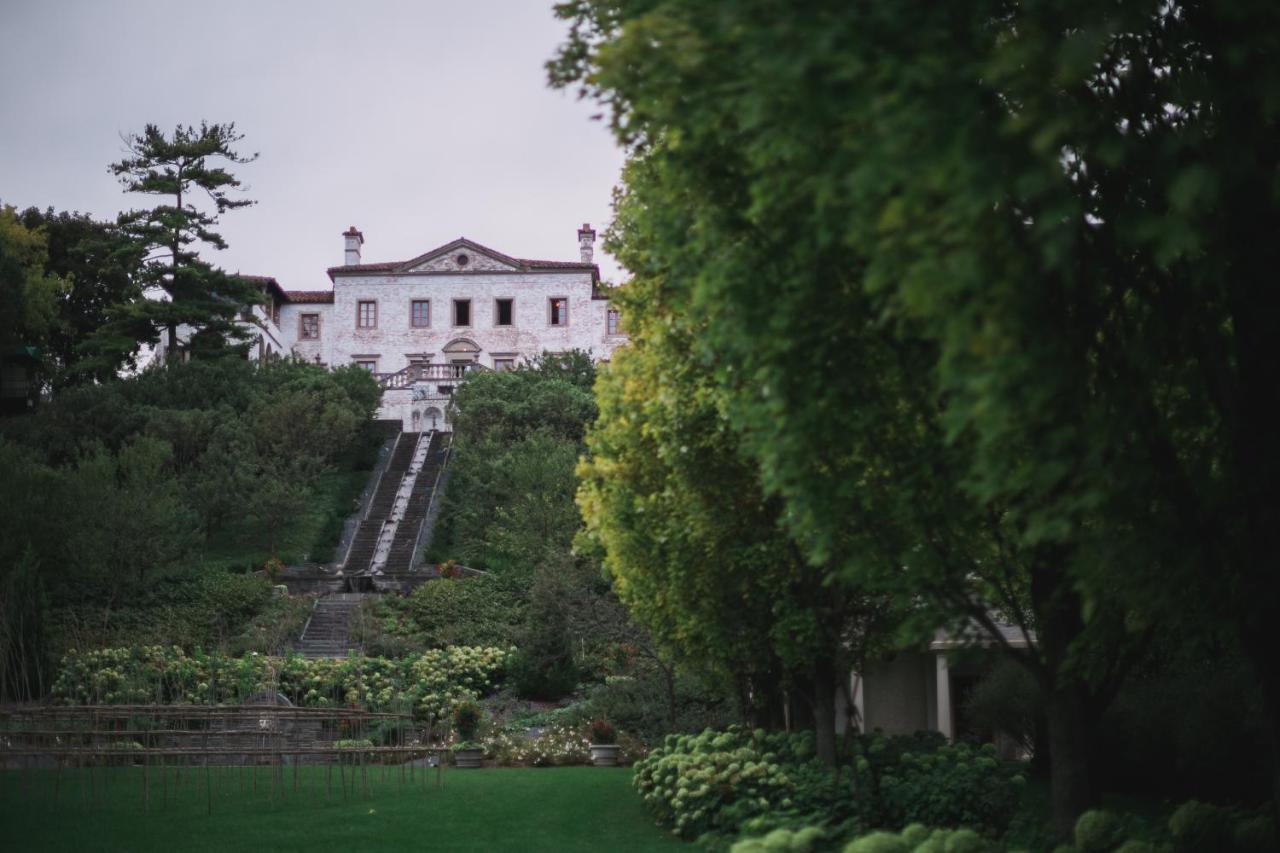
417,122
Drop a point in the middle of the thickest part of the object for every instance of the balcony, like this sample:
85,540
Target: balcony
432,374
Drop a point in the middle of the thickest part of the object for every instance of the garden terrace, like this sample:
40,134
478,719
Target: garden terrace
176,739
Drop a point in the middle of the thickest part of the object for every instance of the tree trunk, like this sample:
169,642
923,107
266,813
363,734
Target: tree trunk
824,709
1068,702
1266,666
1040,746
1070,768
669,685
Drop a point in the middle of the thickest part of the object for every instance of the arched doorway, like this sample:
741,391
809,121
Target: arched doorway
432,418
461,352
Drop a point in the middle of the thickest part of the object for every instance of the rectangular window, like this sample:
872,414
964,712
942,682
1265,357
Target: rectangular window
462,312
559,307
371,366
309,327
611,320
502,313
501,364
367,315
420,313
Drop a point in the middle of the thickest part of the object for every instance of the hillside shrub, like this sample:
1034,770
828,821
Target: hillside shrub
429,685
485,610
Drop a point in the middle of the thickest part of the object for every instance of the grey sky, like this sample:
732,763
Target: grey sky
417,122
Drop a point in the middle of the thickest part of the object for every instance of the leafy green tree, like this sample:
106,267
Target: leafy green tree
696,549
507,406
187,168
575,367
986,287
509,505
100,267
29,293
133,522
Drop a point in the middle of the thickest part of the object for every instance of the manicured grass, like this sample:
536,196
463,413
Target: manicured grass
554,809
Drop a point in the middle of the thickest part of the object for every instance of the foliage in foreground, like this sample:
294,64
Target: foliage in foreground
717,784
1194,828
988,287
428,685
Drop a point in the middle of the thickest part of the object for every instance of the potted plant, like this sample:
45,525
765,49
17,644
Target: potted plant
467,716
604,751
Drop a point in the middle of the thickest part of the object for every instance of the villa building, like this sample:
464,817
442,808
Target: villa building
422,324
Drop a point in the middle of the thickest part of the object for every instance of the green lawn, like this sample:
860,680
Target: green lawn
555,809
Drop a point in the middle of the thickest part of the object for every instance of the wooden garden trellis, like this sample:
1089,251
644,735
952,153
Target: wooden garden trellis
195,741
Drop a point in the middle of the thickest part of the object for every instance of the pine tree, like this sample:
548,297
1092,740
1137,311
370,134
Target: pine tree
186,167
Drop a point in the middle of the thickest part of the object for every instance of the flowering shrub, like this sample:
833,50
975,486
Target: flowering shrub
440,678
430,684
716,781
557,746
727,782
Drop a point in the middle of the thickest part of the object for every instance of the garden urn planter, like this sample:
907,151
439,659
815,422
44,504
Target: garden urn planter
604,754
468,758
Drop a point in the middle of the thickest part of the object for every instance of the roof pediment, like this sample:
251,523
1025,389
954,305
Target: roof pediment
466,256
461,255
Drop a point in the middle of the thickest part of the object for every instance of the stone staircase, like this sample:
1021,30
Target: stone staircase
328,632
400,556
365,542
385,540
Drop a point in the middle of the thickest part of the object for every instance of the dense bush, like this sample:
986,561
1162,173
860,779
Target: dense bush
652,704
1187,726
212,609
724,782
428,685
1194,826
485,610
957,785
111,489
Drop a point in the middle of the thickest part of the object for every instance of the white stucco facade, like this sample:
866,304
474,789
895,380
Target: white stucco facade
515,309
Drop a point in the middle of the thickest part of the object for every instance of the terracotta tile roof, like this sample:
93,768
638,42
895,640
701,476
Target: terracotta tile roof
312,296
557,265
378,267
268,280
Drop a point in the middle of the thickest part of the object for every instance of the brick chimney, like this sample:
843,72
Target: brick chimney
586,242
353,239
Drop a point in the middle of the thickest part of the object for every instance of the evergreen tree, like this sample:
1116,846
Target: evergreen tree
184,168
